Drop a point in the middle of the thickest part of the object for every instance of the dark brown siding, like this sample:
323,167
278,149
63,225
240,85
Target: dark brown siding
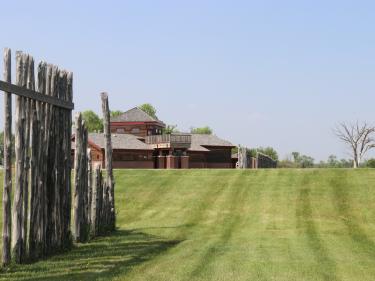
216,158
132,159
140,130
133,165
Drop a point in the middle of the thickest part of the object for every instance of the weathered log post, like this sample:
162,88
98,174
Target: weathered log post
36,233
108,163
54,175
81,227
239,155
242,157
17,214
7,216
96,201
77,177
89,186
68,202
85,187
99,207
30,84
65,189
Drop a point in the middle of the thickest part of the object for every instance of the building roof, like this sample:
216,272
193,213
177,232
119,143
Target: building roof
201,142
135,115
119,141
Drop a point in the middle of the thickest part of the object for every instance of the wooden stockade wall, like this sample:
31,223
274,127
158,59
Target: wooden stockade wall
93,197
265,161
261,160
42,160
242,158
39,224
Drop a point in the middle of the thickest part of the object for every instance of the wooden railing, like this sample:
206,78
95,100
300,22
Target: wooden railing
173,140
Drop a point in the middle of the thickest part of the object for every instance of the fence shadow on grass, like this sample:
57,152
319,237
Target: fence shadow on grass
104,257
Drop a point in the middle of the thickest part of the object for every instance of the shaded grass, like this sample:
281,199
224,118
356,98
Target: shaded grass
228,225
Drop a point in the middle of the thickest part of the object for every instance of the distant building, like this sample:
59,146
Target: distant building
138,142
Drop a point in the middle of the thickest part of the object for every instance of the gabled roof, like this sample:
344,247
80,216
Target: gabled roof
201,142
134,115
119,141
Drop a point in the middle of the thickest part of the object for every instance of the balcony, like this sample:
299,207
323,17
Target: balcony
169,141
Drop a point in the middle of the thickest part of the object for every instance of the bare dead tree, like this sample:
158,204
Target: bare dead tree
358,137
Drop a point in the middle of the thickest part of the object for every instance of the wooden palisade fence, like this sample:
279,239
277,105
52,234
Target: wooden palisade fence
265,161
42,160
39,223
94,197
242,157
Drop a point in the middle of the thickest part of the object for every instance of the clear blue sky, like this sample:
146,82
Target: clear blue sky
260,73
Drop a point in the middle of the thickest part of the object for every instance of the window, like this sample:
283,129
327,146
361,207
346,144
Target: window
135,131
120,130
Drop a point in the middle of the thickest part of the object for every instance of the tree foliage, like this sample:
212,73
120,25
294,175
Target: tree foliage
149,109
169,129
269,151
334,162
297,160
115,113
302,161
92,121
370,163
202,130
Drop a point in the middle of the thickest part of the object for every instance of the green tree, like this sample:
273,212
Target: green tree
92,121
149,109
332,162
252,152
306,161
169,129
286,163
302,161
370,163
115,113
296,156
202,130
269,151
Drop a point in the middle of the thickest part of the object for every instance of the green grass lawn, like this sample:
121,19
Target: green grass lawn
229,225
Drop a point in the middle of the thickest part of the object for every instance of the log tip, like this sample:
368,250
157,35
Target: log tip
104,95
7,51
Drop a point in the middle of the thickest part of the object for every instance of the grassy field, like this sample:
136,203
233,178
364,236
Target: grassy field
229,225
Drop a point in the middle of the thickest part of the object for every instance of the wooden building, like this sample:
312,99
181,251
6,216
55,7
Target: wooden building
136,122
138,142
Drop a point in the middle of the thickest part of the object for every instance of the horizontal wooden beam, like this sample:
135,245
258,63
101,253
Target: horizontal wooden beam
23,92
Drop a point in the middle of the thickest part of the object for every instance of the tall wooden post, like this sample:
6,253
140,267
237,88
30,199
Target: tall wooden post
17,214
68,195
81,226
77,177
7,219
108,161
30,84
89,186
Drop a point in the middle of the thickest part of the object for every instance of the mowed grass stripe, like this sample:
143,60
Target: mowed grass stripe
229,225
